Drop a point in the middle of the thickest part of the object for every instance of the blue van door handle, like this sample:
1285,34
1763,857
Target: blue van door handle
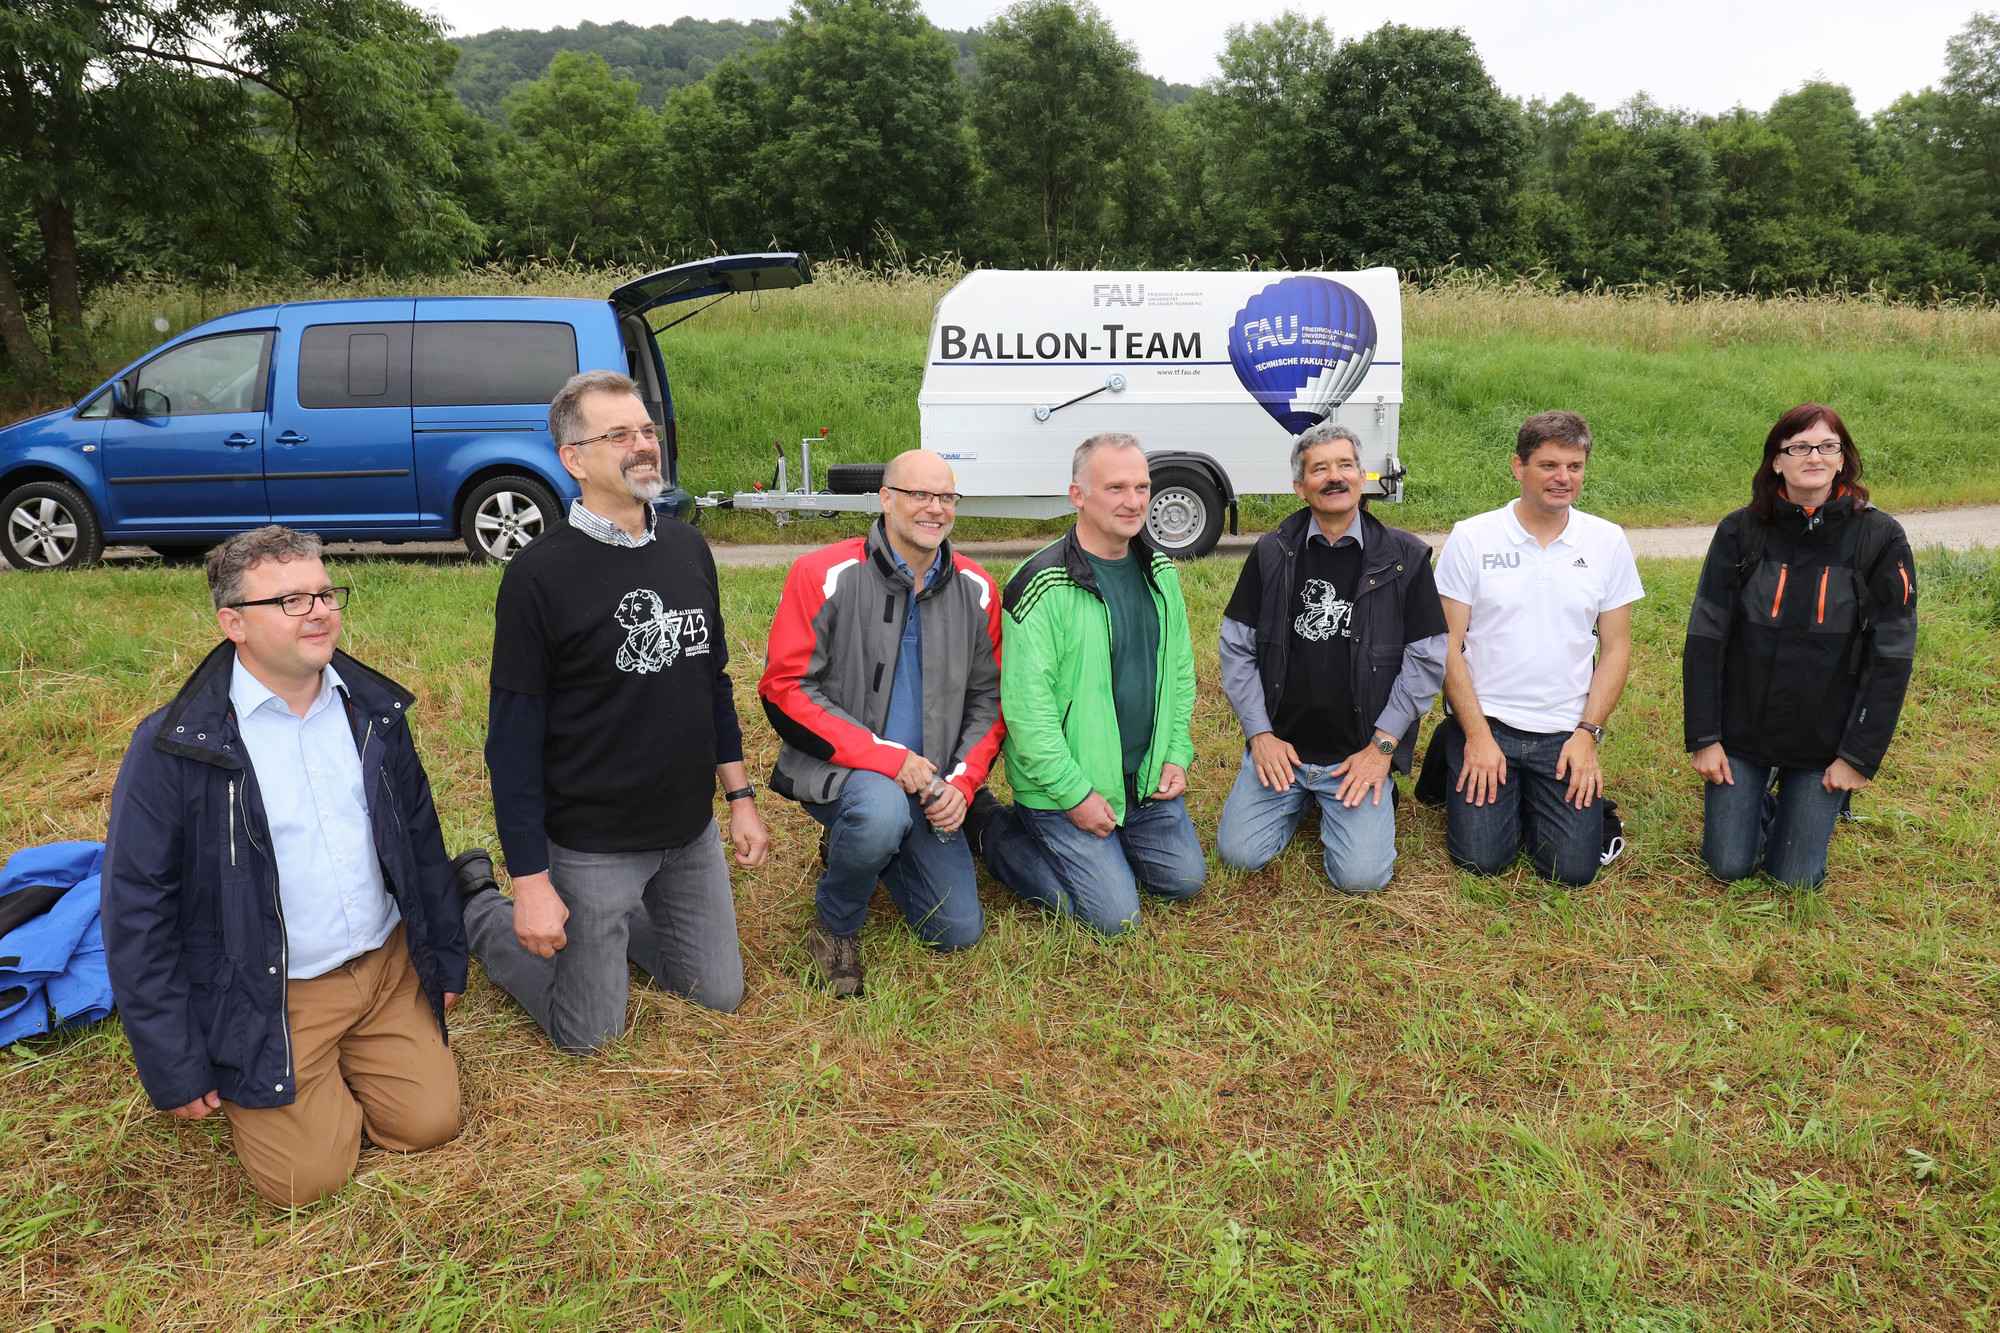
239,441
290,437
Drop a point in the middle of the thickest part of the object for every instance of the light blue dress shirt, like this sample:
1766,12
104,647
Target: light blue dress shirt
309,773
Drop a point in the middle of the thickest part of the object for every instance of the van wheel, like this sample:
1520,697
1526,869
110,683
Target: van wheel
1186,518
503,514
49,525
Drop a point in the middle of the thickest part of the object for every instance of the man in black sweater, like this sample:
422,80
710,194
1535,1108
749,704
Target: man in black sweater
611,719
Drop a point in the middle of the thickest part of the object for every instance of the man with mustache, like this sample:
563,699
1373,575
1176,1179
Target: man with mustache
1097,687
1533,591
611,721
1332,652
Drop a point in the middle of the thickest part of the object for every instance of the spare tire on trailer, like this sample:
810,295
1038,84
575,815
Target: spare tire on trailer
855,478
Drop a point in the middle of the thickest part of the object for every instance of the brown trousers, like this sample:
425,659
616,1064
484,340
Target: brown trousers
366,1056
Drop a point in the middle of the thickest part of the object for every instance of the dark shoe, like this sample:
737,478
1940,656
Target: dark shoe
836,960
474,869
977,816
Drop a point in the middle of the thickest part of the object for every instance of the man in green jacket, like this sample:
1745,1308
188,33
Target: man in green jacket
1096,688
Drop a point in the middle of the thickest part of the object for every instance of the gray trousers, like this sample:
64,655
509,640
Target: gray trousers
669,911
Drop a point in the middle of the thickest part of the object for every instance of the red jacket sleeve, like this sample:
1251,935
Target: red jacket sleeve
798,709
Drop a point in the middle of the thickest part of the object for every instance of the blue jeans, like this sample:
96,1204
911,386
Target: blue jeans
1563,842
1054,864
1257,823
1745,826
876,830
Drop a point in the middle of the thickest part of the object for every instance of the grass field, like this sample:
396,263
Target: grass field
1652,1106
1681,392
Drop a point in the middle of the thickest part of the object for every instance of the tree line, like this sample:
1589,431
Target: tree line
195,138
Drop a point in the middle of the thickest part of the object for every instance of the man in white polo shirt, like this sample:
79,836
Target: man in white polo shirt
1532,592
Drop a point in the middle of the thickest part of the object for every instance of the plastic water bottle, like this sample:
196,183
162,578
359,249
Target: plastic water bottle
932,793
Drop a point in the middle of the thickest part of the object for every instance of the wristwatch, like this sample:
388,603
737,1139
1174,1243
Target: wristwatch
1596,732
746,792
1384,744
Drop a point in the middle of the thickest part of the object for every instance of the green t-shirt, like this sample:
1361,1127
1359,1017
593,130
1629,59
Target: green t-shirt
1135,650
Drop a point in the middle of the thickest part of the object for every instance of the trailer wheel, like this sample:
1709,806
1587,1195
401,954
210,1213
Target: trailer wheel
1185,520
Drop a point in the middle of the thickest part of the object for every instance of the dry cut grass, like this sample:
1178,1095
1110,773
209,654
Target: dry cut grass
1658,1104
1468,306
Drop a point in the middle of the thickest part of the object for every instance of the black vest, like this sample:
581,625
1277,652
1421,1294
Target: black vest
1390,557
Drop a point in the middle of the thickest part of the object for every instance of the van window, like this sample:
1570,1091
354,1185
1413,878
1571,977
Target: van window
355,365
220,374
475,363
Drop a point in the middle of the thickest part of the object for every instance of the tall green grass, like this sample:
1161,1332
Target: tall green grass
1657,1105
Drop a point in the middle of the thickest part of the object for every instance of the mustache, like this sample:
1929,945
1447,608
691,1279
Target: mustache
1335,487
640,460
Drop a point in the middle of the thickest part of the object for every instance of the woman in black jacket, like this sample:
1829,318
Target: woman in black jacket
1799,650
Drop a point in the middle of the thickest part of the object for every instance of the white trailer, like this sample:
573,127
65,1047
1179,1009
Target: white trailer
1214,373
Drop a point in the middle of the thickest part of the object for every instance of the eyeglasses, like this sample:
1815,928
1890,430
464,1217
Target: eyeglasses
1802,450
301,603
949,499
622,437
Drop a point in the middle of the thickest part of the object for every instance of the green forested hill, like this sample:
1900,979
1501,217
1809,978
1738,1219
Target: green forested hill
659,58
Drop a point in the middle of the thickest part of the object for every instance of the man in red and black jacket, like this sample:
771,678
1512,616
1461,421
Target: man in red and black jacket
883,681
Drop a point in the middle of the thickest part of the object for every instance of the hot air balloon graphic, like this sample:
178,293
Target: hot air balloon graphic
1301,346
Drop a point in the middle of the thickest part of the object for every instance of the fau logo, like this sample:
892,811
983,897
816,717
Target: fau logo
1502,560
1112,293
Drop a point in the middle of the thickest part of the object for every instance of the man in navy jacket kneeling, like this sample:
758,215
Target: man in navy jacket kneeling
281,921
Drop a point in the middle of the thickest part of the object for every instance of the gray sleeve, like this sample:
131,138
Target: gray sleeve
1415,688
1240,681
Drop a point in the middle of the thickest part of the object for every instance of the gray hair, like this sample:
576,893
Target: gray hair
229,562
566,410
1326,432
1109,439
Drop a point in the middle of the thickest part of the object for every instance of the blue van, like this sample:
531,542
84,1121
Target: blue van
401,419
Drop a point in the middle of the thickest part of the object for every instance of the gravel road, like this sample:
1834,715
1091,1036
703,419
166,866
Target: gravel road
1958,529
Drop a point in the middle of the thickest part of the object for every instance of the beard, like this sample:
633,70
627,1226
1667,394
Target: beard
645,492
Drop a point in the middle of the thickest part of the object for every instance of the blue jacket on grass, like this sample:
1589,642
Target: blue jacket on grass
55,958
193,928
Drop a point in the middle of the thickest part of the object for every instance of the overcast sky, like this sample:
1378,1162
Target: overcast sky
1706,55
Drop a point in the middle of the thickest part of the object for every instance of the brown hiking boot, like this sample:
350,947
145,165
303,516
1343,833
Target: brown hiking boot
836,960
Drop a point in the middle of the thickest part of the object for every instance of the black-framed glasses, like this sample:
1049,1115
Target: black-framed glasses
301,603
1802,450
949,499
623,436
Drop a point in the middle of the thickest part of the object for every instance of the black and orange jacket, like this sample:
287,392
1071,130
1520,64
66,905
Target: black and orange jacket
1806,656
832,661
